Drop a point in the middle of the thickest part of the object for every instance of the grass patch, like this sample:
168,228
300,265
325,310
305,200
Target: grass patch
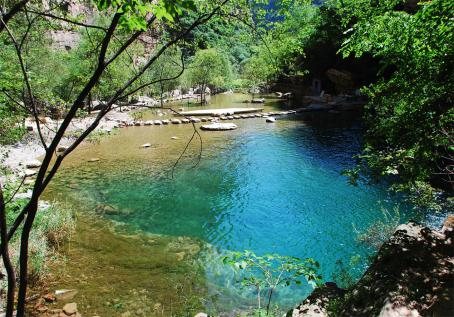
53,225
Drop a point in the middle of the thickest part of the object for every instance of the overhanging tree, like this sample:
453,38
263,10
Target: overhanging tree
127,20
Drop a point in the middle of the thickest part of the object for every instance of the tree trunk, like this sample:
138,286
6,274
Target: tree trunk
89,103
23,257
6,259
162,94
269,301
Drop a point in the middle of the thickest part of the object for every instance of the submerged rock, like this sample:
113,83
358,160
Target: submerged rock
270,119
65,294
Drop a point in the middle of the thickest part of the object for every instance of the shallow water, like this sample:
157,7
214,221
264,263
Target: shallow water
270,188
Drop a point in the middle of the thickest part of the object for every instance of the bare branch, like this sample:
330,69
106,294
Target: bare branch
70,21
16,191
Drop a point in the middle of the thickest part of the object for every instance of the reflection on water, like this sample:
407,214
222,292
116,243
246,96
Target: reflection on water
264,187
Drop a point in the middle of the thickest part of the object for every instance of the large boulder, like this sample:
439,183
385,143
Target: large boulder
342,80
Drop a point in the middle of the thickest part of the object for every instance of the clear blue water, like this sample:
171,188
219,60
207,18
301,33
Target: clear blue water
267,188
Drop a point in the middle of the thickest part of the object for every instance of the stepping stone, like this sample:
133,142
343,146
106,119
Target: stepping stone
29,173
219,126
146,145
157,122
270,119
33,164
176,121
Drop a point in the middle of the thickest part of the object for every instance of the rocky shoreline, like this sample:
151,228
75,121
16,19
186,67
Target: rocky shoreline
16,156
411,276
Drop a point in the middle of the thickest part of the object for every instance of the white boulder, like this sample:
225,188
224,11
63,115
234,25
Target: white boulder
219,126
33,164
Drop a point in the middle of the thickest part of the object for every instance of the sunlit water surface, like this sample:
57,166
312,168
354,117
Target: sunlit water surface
269,188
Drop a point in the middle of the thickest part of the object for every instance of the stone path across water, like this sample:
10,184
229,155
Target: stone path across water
131,123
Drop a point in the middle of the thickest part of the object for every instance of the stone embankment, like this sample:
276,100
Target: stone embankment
411,276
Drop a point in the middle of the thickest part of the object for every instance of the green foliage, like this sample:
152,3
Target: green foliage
11,129
137,115
380,231
167,69
281,42
266,273
81,62
134,12
410,115
225,33
210,68
43,68
343,274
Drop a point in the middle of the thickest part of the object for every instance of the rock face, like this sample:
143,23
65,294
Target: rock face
343,80
316,304
412,275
